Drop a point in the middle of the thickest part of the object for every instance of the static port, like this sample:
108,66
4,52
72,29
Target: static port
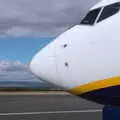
66,64
65,45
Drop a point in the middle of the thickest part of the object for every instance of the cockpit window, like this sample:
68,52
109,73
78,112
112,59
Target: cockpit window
103,12
109,11
91,17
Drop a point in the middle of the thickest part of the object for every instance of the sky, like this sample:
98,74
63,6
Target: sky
26,26
40,17
15,55
21,49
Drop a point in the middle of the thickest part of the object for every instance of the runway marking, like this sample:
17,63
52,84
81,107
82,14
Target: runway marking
32,93
50,112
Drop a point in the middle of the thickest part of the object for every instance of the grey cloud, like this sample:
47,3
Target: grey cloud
40,17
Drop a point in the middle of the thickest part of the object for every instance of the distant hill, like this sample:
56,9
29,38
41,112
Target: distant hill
26,84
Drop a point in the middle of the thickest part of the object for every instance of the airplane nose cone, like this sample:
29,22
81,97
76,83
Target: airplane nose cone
43,64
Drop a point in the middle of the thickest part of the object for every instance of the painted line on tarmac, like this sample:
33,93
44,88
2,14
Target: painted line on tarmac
50,112
30,93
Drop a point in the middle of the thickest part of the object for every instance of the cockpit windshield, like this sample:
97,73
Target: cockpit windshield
109,11
100,14
91,17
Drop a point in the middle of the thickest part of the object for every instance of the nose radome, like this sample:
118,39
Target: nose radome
43,64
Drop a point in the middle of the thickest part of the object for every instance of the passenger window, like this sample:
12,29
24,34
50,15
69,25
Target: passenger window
91,17
109,11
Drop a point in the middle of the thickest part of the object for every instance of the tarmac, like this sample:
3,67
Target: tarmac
50,106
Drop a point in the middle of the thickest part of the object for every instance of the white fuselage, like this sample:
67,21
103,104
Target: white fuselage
84,54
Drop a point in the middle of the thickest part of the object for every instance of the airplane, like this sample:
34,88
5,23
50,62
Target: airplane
85,60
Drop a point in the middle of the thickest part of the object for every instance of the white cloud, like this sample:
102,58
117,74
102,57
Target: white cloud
15,71
18,32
